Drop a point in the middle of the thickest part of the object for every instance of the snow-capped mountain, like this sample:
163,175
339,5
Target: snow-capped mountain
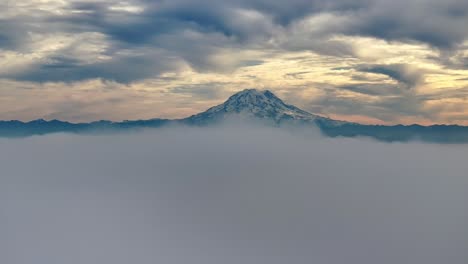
255,104
258,106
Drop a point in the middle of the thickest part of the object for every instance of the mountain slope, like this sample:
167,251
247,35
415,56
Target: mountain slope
254,104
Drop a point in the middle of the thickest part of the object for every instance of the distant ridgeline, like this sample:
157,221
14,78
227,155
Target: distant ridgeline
256,106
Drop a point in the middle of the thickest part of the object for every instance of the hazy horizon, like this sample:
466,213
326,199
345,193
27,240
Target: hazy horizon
124,120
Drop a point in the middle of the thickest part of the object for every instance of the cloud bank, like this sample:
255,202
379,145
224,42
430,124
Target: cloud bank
67,52
230,194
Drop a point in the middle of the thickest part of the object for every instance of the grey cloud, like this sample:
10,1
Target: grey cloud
296,75
453,59
331,103
205,90
459,93
373,89
9,36
166,25
402,73
398,20
231,194
389,102
121,68
407,21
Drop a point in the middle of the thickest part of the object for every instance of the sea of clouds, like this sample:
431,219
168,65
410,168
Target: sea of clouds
231,194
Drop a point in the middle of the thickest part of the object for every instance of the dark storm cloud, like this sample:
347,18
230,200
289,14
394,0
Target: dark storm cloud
231,194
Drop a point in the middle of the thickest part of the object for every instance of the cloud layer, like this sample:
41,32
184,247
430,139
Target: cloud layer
232,194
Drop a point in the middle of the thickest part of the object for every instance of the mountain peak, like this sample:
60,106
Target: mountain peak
257,104
250,98
255,92
252,91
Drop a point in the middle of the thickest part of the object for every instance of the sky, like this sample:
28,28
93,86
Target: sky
231,194
369,61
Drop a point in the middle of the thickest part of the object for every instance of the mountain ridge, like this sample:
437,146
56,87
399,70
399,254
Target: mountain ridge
260,106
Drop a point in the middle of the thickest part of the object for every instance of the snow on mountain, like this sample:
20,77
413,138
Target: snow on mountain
252,103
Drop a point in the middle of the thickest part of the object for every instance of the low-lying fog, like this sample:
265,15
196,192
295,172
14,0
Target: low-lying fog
231,194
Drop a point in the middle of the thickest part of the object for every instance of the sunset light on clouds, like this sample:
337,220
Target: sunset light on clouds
368,61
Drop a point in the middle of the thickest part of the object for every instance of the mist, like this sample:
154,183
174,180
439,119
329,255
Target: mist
231,194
